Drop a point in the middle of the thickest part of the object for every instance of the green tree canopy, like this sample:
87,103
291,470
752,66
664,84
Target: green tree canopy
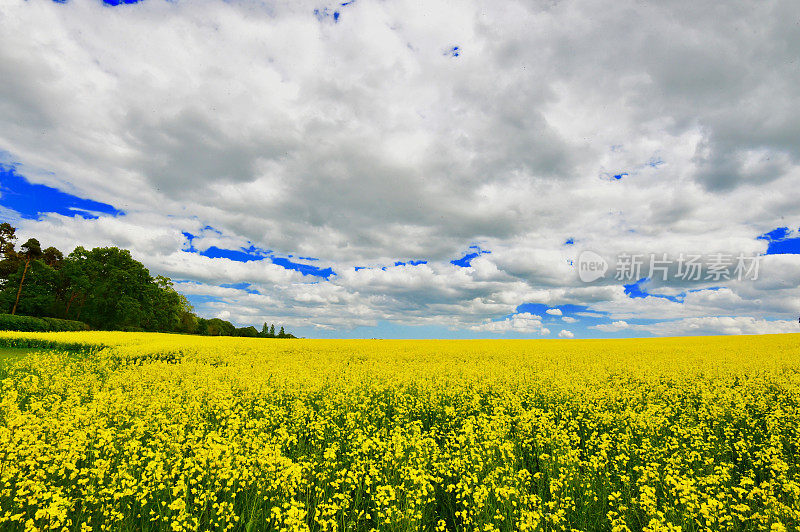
104,287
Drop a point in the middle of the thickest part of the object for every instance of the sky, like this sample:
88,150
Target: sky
419,170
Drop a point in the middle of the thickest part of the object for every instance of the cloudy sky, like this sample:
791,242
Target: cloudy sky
420,169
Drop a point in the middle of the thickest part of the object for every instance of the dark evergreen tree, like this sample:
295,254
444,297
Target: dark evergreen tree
9,260
31,250
52,257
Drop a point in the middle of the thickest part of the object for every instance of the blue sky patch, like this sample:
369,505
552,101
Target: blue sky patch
32,200
710,288
541,310
654,162
253,253
321,14
247,287
106,2
119,2
780,243
325,13
305,269
465,261
239,255
396,263
190,239
198,300
585,319
790,246
453,51
776,234
635,291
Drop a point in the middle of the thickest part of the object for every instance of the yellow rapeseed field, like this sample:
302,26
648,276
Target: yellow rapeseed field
136,431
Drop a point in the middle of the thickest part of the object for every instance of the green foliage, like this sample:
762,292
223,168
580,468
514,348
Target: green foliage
247,332
31,324
52,257
187,320
267,332
38,295
215,327
31,249
118,289
9,259
104,287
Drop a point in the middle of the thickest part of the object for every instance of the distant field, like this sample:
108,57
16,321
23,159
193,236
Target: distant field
137,431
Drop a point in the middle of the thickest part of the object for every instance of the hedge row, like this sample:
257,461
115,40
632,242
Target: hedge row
10,322
42,343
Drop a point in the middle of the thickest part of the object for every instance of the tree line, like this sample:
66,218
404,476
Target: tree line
105,288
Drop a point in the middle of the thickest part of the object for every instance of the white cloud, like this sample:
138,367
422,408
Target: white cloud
722,325
554,311
566,334
707,326
524,322
569,319
611,327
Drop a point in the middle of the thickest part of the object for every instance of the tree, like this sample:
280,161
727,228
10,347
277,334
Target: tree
104,287
187,322
247,332
218,327
52,257
31,250
166,306
40,291
74,283
119,291
8,237
265,331
9,260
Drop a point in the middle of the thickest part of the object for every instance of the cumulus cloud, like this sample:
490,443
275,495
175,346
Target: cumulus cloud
523,322
566,334
357,141
707,326
615,326
723,325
